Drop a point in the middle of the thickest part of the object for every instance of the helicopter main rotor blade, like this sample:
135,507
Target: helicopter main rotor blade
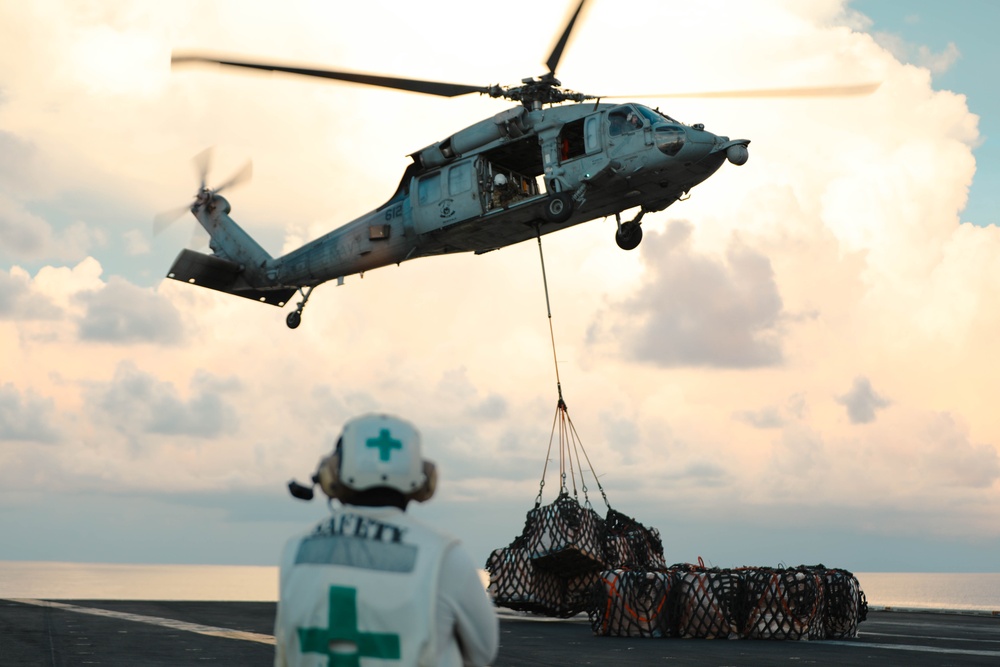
243,175
438,88
203,163
814,91
560,46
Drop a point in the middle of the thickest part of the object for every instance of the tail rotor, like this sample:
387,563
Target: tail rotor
202,162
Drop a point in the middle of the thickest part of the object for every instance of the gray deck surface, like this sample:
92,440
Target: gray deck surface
238,633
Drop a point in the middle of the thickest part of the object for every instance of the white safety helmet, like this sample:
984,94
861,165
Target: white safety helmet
499,179
378,451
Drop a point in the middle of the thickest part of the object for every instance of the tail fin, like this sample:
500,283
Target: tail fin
239,264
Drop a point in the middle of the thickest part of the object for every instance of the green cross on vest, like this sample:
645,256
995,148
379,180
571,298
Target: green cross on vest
385,444
342,642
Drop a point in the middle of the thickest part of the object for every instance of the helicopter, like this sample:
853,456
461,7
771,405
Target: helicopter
557,159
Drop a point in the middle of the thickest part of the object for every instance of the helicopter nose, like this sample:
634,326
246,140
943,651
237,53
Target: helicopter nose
691,143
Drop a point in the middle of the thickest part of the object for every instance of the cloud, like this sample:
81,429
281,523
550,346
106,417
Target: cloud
19,300
23,235
941,62
700,474
769,417
26,182
694,310
19,168
919,54
456,389
138,405
136,243
950,456
862,402
492,407
120,312
26,417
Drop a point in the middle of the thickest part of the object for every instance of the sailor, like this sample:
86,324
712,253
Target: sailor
503,193
370,584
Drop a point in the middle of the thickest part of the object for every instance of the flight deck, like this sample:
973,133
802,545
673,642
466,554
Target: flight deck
127,633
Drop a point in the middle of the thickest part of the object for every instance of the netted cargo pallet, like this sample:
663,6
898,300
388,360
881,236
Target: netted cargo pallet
517,584
565,537
693,601
706,603
629,544
783,604
845,604
630,603
579,593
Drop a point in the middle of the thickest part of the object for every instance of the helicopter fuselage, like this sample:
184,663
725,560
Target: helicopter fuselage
518,175
458,206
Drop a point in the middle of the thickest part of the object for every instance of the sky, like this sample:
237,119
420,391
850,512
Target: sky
797,365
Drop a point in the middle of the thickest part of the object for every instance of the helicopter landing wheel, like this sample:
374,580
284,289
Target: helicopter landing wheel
629,235
294,318
559,207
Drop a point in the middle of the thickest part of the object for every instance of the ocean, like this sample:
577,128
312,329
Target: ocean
104,581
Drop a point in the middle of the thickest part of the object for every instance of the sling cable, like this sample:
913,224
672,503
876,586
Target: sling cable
570,445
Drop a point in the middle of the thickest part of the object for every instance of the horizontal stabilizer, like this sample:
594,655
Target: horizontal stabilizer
223,276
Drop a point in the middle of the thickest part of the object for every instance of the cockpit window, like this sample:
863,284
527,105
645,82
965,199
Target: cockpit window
654,115
624,120
650,115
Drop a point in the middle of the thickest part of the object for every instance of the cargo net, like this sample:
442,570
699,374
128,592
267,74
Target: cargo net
692,601
554,565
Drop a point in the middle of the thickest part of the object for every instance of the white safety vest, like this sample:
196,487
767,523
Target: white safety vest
359,590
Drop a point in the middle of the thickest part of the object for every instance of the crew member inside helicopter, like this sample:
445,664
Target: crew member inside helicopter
624,121
504,191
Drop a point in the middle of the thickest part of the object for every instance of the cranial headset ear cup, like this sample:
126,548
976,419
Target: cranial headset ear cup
427,489
329,478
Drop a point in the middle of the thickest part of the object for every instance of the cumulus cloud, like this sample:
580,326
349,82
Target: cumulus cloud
26,417
23,235
120,312
695,310
138,405
862,401
26,181
949,455
19,301
938,62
